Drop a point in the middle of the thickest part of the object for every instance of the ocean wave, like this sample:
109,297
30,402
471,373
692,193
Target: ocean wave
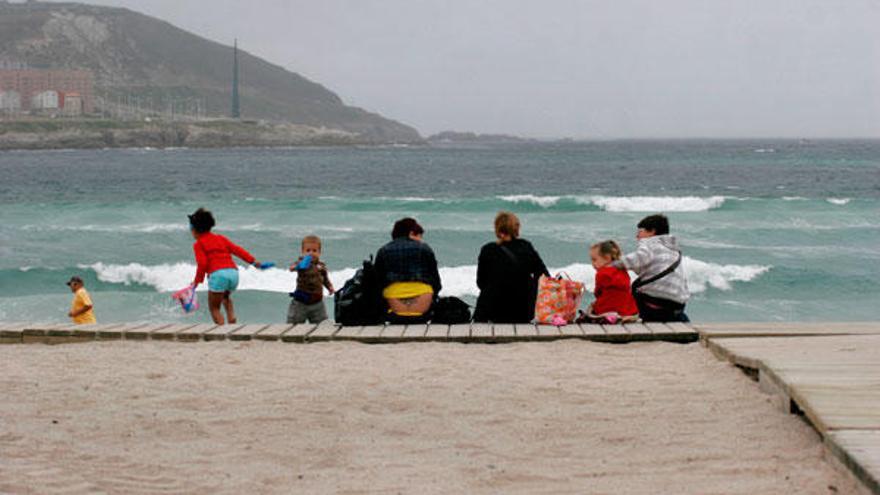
542,201
142,228
658,203
457,280
150,228
838,201
626,204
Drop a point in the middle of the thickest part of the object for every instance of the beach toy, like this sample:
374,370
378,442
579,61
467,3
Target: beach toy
187,298
305,263
558,321
264,266
612,317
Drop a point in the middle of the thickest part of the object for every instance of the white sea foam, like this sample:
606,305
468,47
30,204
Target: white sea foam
145,228
149,228
621,204
542,201
838,201
657,203
457,280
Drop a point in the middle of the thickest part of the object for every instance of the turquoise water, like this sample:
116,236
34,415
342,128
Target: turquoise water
771,230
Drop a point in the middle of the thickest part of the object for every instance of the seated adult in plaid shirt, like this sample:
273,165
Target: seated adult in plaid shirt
407,270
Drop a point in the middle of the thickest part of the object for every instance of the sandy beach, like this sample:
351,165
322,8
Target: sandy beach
562,417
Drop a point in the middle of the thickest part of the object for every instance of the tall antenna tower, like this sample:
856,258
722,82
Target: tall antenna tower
236,104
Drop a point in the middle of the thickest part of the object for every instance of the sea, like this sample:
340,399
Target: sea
771,230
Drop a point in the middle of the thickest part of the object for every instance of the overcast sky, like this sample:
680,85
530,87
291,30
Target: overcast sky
579,68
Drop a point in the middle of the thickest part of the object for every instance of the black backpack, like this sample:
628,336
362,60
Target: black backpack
451,311
359,301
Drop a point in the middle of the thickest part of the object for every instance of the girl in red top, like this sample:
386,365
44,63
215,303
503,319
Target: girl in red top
214,259
614,300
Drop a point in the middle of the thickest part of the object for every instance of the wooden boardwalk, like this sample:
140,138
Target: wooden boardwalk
829,372
13,333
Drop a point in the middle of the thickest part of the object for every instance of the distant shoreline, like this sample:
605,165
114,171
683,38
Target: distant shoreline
99,134
85,134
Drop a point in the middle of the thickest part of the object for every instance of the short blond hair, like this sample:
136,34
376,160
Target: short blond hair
311,239
507,223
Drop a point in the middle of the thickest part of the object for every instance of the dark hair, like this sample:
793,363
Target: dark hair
202,221
658,224
406,226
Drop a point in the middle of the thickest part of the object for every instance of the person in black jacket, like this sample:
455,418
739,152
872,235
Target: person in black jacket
507,275
407,271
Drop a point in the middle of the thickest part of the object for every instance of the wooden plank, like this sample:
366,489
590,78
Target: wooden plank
638,331
141,332
11,333
659,329
416,333
273,332
460,332
594,332
39,333
525,331
86,332
437,332
348,333
195,333
323,332
504,333
101,331
169,332
783,329
859,450
617,333
480,332
679,327
392,333
545,332
246,332
371,334
570,331
56,333
116,332
220,332
298,333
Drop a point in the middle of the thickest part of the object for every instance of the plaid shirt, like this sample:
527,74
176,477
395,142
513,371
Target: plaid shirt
406,260
654,255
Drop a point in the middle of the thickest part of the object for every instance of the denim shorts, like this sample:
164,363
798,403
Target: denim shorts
225,280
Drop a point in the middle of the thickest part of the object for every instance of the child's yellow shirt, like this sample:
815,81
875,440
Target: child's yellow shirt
81,299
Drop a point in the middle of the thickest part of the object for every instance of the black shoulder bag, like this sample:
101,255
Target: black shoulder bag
639,282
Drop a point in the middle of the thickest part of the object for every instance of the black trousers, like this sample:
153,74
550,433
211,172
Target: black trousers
655,309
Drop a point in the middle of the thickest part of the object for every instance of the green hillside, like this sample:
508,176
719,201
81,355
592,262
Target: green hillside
137,55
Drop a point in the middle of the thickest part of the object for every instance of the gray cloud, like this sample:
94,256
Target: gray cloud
580,68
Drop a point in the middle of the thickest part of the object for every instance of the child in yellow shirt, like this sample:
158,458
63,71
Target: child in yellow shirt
81,308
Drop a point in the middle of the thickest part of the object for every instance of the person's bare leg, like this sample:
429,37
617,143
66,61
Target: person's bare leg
230,308
215,299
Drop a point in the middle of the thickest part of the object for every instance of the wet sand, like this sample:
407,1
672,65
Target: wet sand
561,417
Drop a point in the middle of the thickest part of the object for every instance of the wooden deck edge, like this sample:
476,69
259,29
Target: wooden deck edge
854,461
67,333
790,400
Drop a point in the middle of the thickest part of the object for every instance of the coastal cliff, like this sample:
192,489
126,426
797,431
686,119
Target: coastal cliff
136,58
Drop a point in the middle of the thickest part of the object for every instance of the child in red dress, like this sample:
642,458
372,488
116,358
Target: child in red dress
614,300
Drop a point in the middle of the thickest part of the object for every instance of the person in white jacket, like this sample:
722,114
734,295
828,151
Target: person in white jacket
661,290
